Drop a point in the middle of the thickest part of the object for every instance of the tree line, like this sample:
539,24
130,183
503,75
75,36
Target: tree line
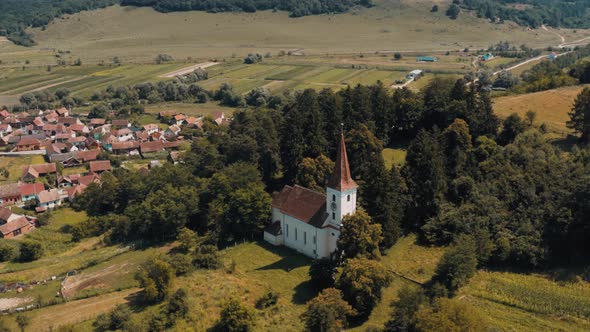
17,15
295,8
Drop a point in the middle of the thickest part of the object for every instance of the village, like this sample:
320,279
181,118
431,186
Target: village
68,141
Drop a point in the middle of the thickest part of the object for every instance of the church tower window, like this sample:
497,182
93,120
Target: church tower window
348,198
333,198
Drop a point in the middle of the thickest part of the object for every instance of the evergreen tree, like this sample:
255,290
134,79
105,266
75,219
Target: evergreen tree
580,115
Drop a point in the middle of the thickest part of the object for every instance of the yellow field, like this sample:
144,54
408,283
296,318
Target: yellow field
551,106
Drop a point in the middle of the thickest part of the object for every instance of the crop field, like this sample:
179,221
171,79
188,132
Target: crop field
552,106
519,302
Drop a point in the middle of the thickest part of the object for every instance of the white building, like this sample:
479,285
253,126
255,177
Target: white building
310,221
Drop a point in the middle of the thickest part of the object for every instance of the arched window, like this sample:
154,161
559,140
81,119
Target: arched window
348,198
333,198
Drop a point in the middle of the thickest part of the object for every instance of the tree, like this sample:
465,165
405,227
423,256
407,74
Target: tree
397,56
457,265
327,312
580,115
434,9
236,317
425,174
155,277
361,283
449,315
359,237
30,250
207,257
456,144
23,321
187,239
7,251
178,306
313,173
453,12
405,309
512,126
322,272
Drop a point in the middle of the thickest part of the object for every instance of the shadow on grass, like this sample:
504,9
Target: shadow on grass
290,259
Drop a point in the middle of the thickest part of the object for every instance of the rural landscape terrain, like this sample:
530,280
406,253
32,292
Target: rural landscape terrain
169,165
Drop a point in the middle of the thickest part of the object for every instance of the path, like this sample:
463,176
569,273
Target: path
189,69
401,86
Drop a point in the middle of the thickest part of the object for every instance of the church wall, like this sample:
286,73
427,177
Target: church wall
303,242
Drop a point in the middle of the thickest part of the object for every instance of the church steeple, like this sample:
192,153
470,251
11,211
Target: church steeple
341,179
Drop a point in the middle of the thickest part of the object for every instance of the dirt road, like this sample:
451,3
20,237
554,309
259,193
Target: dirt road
190,69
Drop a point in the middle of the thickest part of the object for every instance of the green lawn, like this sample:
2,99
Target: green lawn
394,157
15,165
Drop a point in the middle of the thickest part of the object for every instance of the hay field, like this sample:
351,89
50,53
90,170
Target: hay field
552,106
138,34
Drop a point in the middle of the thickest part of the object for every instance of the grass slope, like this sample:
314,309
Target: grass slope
552,106
141,33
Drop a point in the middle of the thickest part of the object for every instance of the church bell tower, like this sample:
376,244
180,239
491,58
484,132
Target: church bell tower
341,190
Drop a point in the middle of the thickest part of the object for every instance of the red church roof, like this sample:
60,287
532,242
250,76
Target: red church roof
341,179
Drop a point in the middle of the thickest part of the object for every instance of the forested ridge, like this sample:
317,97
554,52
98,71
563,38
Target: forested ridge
295,8
17,15
533,13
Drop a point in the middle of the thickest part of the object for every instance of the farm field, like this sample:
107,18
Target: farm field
404,25
551,106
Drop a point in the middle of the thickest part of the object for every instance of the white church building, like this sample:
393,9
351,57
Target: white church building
309,221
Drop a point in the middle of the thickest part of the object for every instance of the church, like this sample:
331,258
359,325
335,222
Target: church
310,221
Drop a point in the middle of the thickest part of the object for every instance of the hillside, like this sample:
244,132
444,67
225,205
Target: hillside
138,34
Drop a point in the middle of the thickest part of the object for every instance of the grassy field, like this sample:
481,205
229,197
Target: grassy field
15,165
552,106
139,34
394,157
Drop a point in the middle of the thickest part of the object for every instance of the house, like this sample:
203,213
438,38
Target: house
92,144
172,131
30,191
414,74
10,194
486,57
219,117
28,144
426,59
4,114
21,225
63,112
552,56
32,172
129,147
87,179
64,181
179,119
78,141
49,199
75,191
120,124
123,135
68,121
5,129
309,221
97,122
100,166
151,147
151,128
175,157
86,156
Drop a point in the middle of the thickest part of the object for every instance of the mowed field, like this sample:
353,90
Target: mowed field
552,106
139,34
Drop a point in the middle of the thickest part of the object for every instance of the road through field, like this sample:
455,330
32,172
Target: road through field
189,69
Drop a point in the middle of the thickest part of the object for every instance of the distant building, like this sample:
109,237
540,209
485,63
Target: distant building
486,57
310,221
414,74
552,56
426,59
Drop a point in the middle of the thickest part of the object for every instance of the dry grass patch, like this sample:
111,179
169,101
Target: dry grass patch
552,106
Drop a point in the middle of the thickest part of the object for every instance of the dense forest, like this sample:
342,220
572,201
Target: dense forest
17,15
533,13
295,8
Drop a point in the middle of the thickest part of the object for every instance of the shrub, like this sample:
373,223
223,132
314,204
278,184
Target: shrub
30,250
267,300
235,317
327,312
7,251
207,257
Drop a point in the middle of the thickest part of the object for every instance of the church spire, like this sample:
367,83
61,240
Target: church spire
341,179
